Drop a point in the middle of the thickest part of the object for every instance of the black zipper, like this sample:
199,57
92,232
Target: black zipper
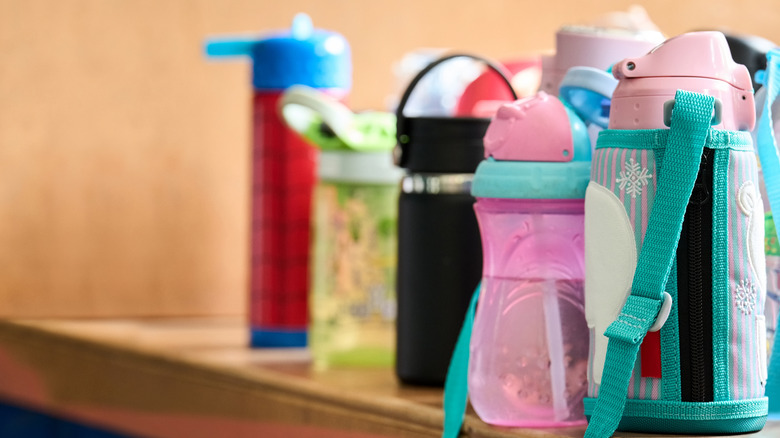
694,289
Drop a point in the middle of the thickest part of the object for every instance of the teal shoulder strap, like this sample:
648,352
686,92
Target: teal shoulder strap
456,386
770,166
690,126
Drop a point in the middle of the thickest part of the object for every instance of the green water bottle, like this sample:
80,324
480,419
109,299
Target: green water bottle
352,300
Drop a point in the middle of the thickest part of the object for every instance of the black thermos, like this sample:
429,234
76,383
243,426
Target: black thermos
439,247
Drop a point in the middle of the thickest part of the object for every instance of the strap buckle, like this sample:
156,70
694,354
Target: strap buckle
716,113
663,314
633,322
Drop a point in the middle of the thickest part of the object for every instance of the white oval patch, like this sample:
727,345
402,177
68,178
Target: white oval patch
746,198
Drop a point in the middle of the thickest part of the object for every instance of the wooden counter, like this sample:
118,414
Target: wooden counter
195,378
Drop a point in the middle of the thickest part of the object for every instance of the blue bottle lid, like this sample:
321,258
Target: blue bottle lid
585,89
301,55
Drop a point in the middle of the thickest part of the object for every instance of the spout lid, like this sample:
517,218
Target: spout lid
300,55
536,148
693,55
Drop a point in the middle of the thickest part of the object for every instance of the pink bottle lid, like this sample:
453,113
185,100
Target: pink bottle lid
535,128
696,61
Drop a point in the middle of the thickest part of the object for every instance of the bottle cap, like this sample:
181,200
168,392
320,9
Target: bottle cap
697,61
692,55
536,148
329,124
586,89
301,55
539,147
356,148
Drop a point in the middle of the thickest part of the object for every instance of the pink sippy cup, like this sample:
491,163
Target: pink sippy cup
529,345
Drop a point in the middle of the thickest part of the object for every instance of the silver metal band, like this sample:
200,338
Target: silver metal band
441,184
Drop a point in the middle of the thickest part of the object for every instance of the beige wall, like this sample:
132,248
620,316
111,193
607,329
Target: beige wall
123,154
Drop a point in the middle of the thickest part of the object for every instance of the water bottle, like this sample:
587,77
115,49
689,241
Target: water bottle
529,345
439,253
642,101
675,248
354,224
283,172
589,46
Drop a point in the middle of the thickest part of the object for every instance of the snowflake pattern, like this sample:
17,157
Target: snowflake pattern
633,178
746,297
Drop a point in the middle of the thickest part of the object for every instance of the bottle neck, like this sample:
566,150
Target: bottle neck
531,206
639,103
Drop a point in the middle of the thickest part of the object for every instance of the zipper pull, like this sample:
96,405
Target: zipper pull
701,193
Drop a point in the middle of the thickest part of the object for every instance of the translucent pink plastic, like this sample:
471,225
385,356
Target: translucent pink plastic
529,345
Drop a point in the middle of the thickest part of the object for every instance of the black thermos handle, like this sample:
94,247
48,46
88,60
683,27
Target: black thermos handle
401,134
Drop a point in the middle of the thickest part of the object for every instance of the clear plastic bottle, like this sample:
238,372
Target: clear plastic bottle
354,226
531,314
353,299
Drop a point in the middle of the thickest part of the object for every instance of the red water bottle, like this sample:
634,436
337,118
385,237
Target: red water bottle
283,172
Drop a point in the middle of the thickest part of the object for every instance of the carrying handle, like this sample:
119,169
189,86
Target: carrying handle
339,128
335,115
401,135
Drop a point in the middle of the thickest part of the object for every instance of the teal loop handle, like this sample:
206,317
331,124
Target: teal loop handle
456,386
770,165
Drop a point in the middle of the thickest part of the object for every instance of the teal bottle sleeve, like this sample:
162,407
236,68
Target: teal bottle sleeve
691,118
